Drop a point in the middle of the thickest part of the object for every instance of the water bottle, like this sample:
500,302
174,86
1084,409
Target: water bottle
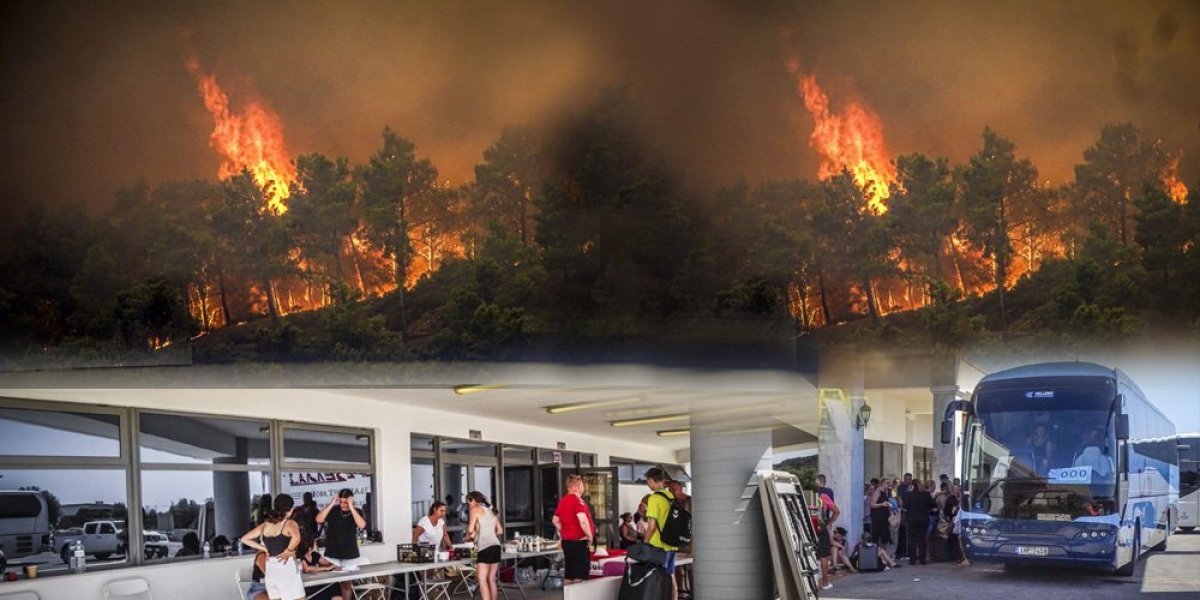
78,558
239,547
207,550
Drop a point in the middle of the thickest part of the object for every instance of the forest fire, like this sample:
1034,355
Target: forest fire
250,140
1170,179
851,139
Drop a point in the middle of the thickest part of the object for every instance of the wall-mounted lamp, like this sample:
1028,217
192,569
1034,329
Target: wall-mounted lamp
864,415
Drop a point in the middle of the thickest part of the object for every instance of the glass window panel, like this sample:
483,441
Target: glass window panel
518,493
485,482
625,472
893,460
422,443
871,457
465,448
325,486
194,439
454,492
515,453
587,460
423,493
58,433
183,509
306,445
546,456
65,501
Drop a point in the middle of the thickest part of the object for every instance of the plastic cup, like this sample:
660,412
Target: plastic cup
31,571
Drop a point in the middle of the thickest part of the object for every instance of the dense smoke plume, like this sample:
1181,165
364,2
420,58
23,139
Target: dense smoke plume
97,95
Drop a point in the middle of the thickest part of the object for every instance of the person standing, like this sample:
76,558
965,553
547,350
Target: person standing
306,518
903,489
279,536
821,489
342,522
431,529
917,507
881,509
658,507
484,529
576,529
827,515
683,574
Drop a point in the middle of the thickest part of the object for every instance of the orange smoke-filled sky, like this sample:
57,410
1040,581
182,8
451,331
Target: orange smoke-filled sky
94,96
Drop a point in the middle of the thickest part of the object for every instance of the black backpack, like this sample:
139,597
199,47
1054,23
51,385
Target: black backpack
677,530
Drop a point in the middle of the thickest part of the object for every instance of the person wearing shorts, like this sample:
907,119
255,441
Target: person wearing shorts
278,536
342,520
828,515
258,589
485,530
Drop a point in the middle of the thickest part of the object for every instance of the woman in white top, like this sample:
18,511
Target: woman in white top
485,530
431,529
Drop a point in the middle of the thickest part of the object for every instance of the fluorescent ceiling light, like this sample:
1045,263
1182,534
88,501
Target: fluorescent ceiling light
674,432
649,420
566,408
471,388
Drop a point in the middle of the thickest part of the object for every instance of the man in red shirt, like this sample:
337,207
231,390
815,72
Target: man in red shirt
576,529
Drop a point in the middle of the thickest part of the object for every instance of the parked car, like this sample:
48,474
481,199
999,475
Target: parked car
157,545
100,539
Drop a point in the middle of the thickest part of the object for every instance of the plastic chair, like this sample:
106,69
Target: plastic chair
367,587
21,596
128,589
466,583
241,578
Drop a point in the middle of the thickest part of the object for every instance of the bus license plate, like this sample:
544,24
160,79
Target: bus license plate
1033,550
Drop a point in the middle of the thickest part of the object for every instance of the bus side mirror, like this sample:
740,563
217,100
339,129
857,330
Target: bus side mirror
947,431
948,419
1122,427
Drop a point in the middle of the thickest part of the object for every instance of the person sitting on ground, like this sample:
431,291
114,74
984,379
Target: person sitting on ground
840,556
866,542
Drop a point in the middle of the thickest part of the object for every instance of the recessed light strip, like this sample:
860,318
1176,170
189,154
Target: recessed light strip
649,420
566,408
674,432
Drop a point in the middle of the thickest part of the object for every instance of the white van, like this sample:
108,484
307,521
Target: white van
24,523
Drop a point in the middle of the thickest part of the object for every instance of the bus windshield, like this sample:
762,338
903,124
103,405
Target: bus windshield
1189,465
1043,454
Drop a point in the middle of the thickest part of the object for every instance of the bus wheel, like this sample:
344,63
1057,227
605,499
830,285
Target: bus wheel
1128,568
1187,529
66,555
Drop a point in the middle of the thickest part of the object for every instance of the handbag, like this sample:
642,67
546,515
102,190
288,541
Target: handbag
943,528
645,553
644,581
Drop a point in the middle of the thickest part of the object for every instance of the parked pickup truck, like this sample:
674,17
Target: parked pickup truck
100,539
158,545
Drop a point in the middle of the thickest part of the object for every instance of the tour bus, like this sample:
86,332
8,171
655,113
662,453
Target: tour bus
1065,464
24,523
1189,481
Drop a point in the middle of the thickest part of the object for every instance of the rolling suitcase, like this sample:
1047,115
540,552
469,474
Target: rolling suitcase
868,558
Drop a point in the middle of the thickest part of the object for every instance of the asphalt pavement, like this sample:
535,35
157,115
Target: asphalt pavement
1173,574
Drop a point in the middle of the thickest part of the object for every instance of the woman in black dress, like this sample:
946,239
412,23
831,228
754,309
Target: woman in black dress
881,532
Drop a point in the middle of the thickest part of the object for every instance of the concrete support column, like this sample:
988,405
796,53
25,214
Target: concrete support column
231,496
842,458
730,548
908,442
945,456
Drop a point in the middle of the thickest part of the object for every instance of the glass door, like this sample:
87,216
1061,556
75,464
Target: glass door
600,494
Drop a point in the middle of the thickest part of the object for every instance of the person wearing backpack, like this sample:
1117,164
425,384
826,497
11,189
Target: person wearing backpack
683,575
658,509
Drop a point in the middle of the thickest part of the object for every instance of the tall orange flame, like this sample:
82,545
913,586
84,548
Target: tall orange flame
1170,179
851,139
251,140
